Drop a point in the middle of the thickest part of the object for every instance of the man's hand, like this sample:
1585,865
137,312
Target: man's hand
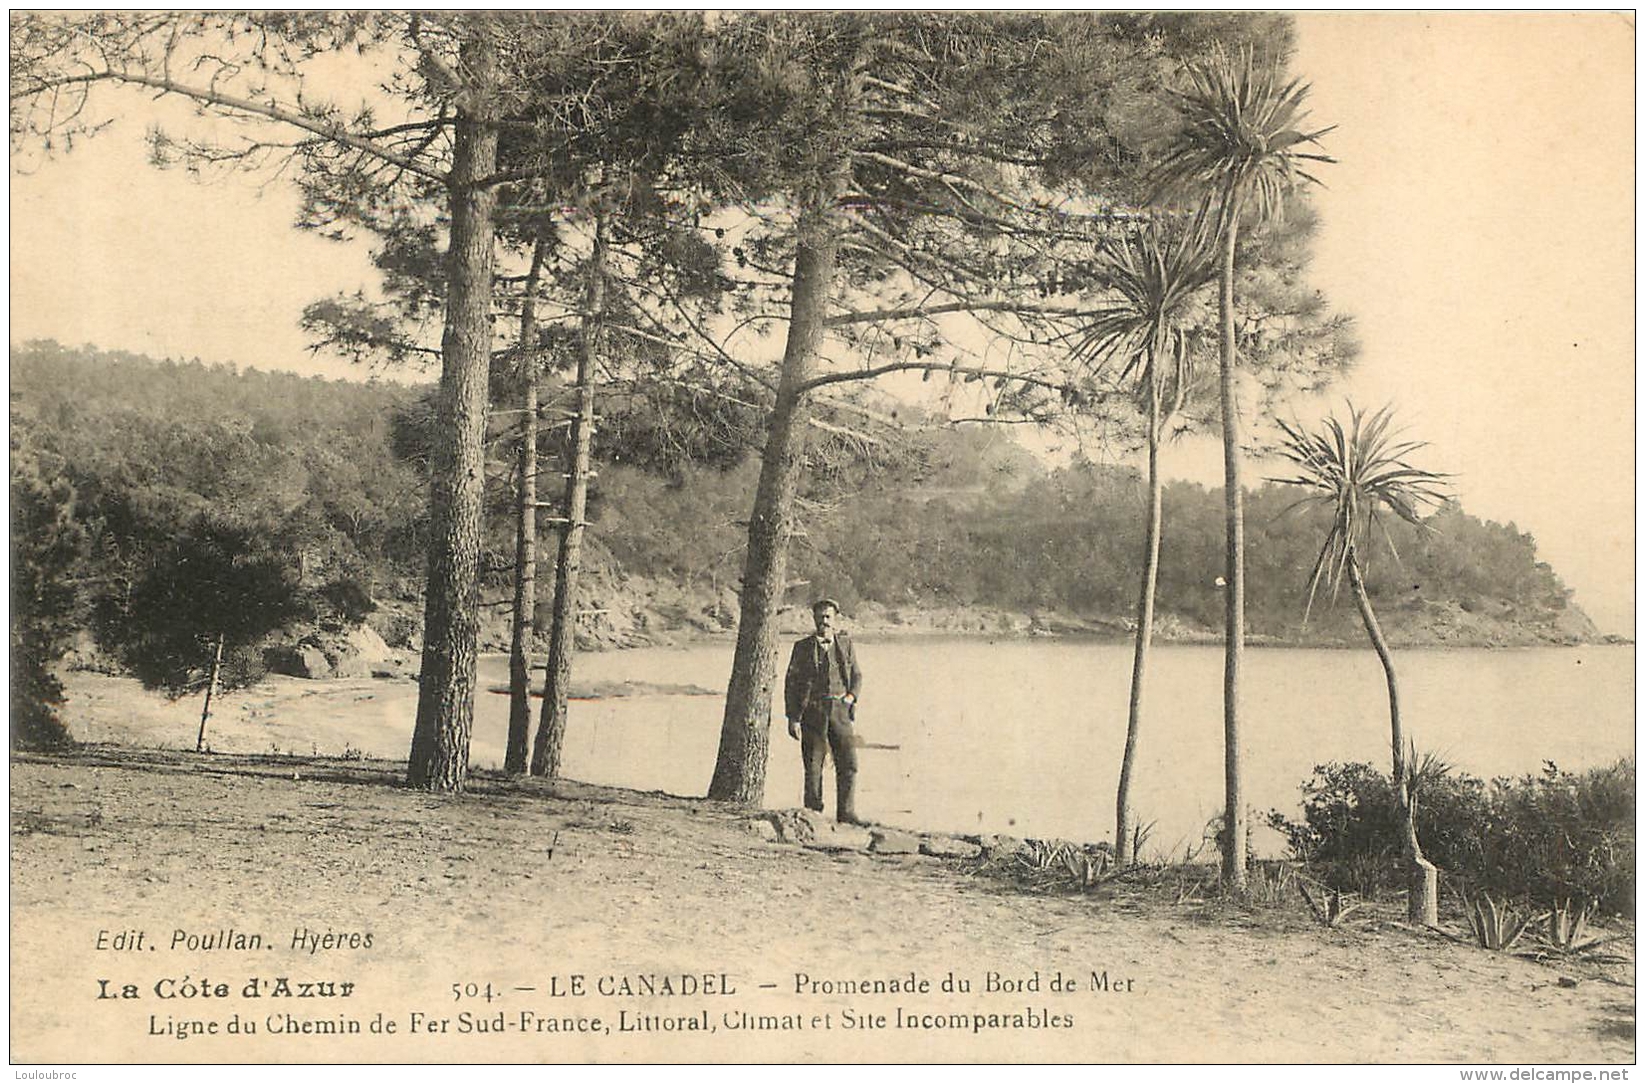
794,729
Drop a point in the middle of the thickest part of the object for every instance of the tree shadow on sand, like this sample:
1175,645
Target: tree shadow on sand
490,786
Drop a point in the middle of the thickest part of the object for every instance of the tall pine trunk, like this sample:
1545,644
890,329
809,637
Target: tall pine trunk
1422,878
525,527
745,732
445,692
525,589
1234,826
562,641
1124,852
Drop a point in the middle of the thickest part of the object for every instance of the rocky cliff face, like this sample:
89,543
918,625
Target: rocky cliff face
1490,624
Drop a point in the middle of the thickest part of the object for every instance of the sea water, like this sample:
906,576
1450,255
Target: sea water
1025,736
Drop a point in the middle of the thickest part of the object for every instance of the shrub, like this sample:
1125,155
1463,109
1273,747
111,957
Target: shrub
1565,836
345,601
1547,837
1350,830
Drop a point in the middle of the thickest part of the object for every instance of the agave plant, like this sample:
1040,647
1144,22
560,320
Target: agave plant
1567,929
1496,926
1330,908
1140,835
1423,771
1271,881
1048,863
1190,891
1361,473
1041,854
1244,142
1083,867
1566,926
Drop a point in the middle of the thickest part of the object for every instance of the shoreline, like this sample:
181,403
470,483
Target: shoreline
651,719
884,635
1069,632
120,840
637,612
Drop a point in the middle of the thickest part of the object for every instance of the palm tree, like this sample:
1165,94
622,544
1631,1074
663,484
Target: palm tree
1357,472
1240,148
1154,276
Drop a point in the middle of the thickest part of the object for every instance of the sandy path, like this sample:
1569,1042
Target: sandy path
460,890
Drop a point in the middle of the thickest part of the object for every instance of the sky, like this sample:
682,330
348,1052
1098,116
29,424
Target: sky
1479,225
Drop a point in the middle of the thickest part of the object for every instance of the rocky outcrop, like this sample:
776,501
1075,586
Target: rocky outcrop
1486,623
617,611
995,846
352,652
302,660
811,829
892,841
818,831
400,624
949,847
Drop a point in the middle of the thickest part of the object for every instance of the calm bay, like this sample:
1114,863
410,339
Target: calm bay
1024,736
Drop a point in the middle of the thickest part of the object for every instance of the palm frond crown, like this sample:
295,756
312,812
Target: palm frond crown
1245,130
1152,277
1359,470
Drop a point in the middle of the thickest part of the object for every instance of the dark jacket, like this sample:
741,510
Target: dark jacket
805,687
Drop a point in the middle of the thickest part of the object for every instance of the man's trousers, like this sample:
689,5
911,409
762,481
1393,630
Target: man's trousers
824,729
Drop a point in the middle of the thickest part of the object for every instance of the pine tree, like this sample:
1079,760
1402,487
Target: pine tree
47,548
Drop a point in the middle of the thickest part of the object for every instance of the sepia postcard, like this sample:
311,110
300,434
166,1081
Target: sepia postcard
822,537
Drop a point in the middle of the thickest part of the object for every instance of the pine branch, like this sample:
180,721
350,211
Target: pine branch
210,96
926,311
953,182
979,372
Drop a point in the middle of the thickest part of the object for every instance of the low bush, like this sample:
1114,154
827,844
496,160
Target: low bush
1550,837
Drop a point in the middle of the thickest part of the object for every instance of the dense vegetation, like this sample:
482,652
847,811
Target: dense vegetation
326,474
1548,839
47,549
968,518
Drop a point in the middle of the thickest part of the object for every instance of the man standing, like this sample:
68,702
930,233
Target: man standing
820,700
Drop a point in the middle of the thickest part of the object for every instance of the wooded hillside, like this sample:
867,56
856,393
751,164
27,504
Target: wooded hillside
327,475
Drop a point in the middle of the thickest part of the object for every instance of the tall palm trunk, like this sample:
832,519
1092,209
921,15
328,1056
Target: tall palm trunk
1234,826
739,767
1422,877
525,526
545,756
445,692
1124,852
